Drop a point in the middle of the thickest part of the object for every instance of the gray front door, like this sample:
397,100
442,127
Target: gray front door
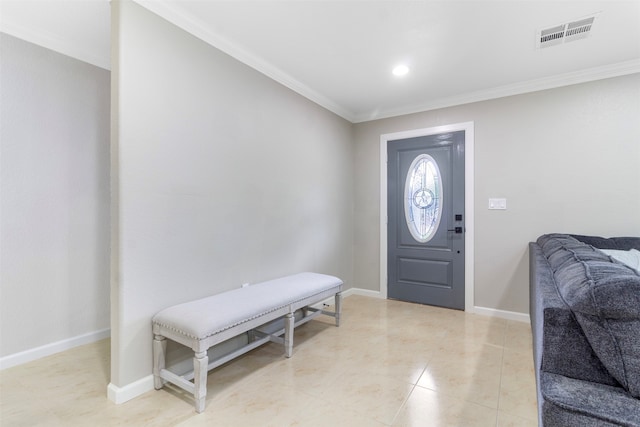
426,219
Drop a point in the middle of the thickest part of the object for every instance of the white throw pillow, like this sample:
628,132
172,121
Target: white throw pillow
630,257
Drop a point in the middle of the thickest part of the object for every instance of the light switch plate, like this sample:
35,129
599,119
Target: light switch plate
498,204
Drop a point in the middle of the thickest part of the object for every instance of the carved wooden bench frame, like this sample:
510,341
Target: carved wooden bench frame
320,287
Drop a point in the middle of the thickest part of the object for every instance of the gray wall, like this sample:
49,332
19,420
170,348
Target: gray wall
567,160
221,176
54,197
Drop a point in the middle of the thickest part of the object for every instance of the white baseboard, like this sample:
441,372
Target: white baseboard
363,292
503,314
120,395
347,293
53,348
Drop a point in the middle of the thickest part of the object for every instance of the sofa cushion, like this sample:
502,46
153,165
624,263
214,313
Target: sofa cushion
567,350
605,299
567,257
552,243
571,402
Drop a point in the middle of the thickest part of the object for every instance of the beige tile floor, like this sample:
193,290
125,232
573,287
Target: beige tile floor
389,364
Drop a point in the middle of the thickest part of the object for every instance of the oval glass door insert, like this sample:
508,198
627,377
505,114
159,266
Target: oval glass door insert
423,198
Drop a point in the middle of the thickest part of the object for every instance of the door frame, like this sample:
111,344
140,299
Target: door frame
468,203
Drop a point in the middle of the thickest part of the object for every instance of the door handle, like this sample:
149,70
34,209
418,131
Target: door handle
457,230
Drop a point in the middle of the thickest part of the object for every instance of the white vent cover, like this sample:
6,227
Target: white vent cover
565,33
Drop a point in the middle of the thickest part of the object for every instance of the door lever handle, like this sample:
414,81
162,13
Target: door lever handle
457,230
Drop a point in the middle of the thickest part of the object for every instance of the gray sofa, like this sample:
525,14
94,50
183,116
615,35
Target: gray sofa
585,319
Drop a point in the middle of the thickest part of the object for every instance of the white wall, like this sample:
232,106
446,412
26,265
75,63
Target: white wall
221,176
54,197
566,160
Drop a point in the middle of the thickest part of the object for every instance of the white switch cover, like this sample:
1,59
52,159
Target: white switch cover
498,204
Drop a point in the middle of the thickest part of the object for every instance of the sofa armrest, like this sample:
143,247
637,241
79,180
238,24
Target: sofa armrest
560,346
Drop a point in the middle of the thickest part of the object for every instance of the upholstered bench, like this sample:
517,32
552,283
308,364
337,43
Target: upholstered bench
209,321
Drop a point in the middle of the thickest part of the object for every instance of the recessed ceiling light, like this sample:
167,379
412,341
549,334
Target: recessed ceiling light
400,70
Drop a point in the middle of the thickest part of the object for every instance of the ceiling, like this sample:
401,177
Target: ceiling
340,53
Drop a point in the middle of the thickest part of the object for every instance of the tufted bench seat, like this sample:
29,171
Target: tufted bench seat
203,323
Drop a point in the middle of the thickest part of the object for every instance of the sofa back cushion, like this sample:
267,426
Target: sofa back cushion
604,296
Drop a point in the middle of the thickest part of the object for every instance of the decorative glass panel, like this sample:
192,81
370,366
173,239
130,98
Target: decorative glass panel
423,198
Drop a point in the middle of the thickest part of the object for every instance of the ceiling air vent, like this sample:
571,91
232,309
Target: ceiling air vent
565,33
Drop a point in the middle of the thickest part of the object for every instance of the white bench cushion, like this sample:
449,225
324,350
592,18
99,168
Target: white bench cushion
209,316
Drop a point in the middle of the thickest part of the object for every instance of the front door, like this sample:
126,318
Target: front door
426,219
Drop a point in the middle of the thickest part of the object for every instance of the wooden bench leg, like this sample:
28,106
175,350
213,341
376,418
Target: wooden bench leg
338,307
159,349
200,364
288,334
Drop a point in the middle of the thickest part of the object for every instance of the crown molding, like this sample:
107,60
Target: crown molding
172,13
567,79
57,44
190,24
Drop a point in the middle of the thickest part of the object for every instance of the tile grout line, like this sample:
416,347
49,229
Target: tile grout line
504,339
414,385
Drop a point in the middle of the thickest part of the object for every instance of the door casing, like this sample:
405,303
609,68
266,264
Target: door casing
468,200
